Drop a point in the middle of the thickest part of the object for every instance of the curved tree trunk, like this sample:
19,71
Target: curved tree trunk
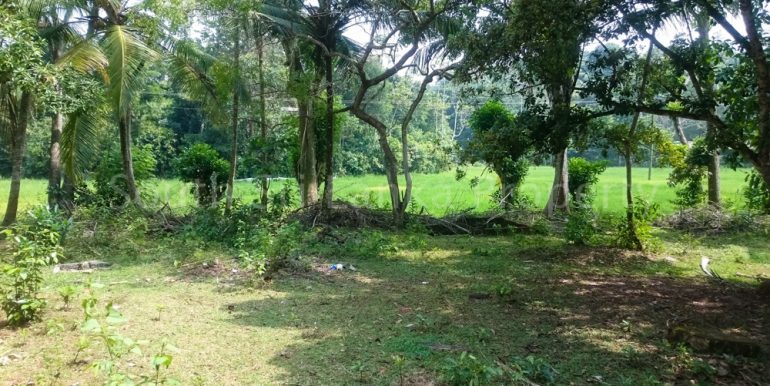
18,147
558,200
54,173
680,133
391,172
124,127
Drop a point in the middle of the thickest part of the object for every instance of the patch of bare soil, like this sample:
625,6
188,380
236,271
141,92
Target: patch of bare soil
218,269
661,300
714,319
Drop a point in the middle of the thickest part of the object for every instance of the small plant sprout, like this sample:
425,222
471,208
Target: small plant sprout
162,361
359,367
399,361
66,293
160,308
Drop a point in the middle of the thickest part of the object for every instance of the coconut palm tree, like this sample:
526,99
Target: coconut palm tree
113,49
315,32
23,76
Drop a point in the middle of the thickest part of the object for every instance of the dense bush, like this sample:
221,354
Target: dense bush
109,179
645,214
757,194
35,244
583,174
581,225
202,165
688,176
502,144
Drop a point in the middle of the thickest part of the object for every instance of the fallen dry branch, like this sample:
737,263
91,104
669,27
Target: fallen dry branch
346,215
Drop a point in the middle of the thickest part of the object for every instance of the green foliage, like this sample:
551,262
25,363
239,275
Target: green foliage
67,293
467,370
21,57
101,327
207,170
284,250
583,175
757,194
501,144
35,245
689,174
41,219
645,213
535,369
581,225
109,179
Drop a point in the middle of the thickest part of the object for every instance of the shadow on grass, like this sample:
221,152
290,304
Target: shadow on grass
594,314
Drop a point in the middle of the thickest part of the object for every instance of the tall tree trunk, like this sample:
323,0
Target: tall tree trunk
67,199
714,196
714,184
262,115
631,221
627,150
54,173
18,148
308,178
234,139
391,173
558,200
124,127
328,196
57,124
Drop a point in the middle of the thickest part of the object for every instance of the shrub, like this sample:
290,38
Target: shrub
202,165
583,174
581,225
689,174
535,369
109,179
284,249
41,218
33,250
645,213
469,370
757,194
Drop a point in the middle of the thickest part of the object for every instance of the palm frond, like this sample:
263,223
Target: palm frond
85,56
189,67
79,140
126,57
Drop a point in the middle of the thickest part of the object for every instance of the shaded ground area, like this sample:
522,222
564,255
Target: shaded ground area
597,316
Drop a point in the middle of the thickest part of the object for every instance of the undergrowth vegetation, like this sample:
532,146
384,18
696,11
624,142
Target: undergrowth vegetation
320,278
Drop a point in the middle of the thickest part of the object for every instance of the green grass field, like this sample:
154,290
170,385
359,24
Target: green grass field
589,313
439,193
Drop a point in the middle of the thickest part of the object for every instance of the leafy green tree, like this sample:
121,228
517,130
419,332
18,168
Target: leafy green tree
538,47
115,49
583,175
109,179
499,142
24,76
202,165
314,33
737,68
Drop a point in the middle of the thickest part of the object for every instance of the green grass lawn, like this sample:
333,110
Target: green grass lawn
591,314
440,193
